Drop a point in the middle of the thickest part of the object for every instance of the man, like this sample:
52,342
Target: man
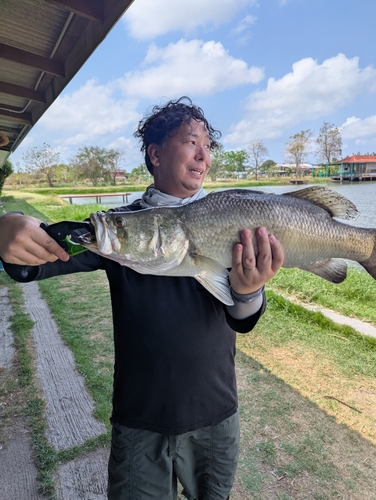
175,401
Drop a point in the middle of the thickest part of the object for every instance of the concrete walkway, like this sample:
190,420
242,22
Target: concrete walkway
359,326
69,408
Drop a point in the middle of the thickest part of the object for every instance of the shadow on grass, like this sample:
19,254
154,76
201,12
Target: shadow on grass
291,448
11,204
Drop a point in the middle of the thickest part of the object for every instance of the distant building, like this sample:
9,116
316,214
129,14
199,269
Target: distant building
287,168
356,168
120,174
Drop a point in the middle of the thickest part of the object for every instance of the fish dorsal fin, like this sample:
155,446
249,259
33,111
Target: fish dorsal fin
214,277
237,192
331,201
333,270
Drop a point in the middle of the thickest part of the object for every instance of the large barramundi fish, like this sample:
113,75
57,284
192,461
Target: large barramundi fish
197,239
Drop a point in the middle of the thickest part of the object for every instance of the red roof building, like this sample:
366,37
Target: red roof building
357,168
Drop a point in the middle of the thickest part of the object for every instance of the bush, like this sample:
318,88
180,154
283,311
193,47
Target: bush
5,172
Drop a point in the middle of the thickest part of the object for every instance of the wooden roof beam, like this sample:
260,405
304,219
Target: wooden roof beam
90,9
18,91
10,130
22,118
30,59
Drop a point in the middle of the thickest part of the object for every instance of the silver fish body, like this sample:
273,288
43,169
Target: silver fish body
197,239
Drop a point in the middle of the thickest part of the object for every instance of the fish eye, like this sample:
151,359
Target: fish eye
119,222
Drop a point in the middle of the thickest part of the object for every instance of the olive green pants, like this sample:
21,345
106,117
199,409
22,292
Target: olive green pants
146,465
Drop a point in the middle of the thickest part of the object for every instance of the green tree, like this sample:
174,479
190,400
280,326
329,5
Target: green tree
90,163
113,163
42,161
268,166
218,162
298,148
5,171
256,153
329,143
65,173
235,161
140,173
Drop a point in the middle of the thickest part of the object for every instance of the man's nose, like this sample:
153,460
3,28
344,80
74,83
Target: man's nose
203,154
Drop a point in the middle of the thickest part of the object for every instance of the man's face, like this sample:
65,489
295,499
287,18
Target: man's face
182,161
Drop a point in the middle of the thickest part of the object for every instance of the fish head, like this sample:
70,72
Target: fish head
142,240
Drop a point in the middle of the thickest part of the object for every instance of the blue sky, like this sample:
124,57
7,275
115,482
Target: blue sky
263,69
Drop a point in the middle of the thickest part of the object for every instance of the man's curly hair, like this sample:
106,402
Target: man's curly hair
164,121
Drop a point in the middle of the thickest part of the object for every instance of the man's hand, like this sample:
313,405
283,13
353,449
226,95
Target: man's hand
23,242
249,273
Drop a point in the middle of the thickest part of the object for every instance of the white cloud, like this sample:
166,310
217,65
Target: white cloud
244,24
121,143
147,19
355,128
188,67
309,92
90,113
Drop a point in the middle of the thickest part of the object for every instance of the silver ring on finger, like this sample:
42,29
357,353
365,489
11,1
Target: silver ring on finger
247,269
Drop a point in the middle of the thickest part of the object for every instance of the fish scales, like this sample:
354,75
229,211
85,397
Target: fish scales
308,233
197,239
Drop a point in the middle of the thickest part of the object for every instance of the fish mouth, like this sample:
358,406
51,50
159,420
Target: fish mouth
88,238
83,239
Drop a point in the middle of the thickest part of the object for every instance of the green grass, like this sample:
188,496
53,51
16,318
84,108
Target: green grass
11,204
45,457
49,209
355,356
84,189
67,212
14,383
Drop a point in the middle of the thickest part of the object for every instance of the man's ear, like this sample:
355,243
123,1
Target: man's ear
153,152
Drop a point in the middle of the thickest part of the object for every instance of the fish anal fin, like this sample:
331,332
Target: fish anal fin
331,201
333,270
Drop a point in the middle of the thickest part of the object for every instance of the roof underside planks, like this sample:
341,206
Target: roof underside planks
43,44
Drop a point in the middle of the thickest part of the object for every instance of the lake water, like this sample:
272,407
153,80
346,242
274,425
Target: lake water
362,194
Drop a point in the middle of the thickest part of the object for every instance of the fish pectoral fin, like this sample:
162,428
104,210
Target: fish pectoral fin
214,277
333,270
217,286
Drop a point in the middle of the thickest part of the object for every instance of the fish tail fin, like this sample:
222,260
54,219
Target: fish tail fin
370,264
